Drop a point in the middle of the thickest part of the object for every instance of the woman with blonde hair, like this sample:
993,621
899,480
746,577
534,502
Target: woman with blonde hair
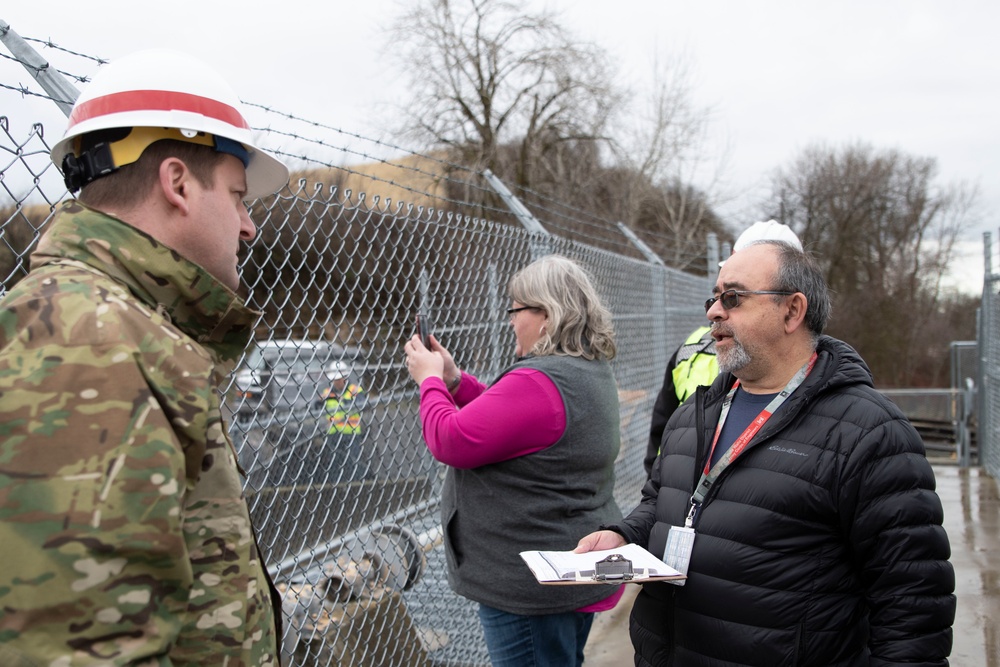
530,462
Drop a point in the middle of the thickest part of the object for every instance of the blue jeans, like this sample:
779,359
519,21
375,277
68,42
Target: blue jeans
549,640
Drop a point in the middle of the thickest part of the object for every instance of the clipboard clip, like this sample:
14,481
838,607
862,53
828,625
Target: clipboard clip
615,566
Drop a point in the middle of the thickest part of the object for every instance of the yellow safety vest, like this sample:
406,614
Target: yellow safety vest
696,365
339,410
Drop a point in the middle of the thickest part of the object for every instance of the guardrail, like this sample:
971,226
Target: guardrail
942,418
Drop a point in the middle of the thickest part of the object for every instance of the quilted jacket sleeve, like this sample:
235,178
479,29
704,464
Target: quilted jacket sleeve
893,518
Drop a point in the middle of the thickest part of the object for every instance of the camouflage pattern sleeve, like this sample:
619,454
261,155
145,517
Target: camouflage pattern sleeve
126,539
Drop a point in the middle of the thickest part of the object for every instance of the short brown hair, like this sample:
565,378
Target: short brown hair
130,184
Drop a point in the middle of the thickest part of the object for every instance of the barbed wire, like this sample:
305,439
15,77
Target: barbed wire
26,91
378,142
448,166
48,43
546,207
540,203
76,77
556,215
371,158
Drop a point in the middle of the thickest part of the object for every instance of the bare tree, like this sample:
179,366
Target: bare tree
512,91
663,142
885,233
487,72
660,140
680,216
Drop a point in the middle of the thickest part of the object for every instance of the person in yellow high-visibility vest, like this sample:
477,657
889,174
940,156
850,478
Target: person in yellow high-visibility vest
693,364
343,402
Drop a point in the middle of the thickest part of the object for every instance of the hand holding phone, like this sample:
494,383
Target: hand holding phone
424,328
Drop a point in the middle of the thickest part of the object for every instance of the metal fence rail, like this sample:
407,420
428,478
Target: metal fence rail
989,362
364,236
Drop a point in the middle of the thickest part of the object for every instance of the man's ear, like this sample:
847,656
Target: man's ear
795,313
175,184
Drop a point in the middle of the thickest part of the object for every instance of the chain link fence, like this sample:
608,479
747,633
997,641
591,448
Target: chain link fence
365,236
989,362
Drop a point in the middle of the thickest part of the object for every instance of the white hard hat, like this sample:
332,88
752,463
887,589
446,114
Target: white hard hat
337,370
771,230
172,95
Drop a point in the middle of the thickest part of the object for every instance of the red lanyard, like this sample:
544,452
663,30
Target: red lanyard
711,473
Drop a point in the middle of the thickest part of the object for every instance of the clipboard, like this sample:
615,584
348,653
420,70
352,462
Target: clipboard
628,564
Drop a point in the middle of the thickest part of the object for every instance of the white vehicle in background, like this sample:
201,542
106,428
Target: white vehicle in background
275,397
286,375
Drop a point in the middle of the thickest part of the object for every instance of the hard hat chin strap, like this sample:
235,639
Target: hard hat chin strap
78,171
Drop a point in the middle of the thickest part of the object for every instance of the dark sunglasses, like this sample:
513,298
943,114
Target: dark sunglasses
731,297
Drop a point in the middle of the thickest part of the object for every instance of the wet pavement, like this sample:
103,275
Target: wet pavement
971,517
608,644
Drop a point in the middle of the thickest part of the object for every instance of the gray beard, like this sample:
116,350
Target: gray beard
734,359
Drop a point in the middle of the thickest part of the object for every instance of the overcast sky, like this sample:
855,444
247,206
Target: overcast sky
920,76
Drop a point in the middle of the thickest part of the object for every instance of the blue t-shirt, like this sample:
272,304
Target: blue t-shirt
744,409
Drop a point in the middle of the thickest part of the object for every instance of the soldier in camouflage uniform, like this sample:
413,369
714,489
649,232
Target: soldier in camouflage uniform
124,534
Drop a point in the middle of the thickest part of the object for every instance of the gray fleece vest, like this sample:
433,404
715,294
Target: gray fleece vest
547,500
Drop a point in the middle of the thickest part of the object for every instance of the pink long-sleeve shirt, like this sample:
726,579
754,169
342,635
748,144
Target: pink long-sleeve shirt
520,414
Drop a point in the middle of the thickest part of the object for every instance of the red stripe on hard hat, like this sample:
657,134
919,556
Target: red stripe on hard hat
156,100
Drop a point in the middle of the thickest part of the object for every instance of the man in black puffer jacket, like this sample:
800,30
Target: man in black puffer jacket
817,530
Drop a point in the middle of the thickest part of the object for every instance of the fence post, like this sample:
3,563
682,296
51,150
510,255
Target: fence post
962,398
540,242
984,423
658,287
62,91
712,255
496,305
424,304
646,251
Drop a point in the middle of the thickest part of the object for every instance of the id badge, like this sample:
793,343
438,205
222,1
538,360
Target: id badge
677,554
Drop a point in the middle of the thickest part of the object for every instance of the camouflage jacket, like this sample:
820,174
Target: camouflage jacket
124,535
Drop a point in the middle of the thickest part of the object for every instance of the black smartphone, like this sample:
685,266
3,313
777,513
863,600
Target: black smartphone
424,327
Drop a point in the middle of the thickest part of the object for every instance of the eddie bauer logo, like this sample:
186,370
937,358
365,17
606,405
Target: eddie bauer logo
786,450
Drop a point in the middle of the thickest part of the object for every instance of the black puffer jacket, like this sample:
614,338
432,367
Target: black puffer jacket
821,545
